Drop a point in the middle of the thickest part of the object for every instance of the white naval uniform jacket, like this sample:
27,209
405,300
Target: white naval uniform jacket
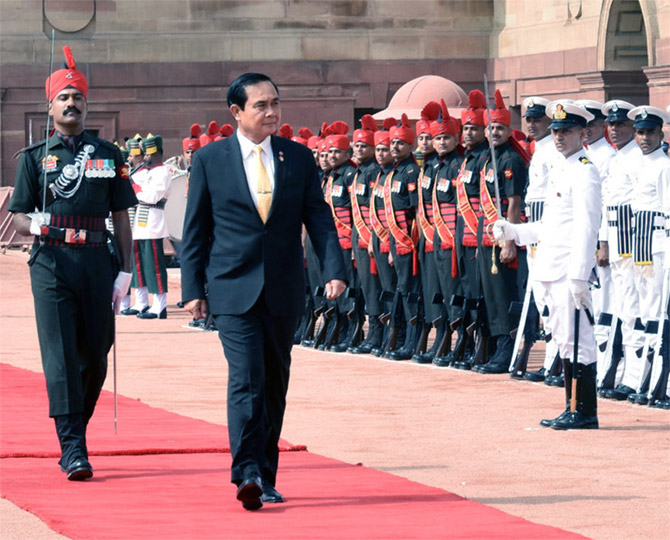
544,158
618,190
155,183
651,191
567,234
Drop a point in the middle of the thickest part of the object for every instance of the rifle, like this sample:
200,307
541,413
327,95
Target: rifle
357,315
661,362
392,319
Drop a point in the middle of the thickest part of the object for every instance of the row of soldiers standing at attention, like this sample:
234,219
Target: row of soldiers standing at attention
418,236
415,209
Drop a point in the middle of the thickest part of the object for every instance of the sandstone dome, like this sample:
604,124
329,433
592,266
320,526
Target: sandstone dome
412,96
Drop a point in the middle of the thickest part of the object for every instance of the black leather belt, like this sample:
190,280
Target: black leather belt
73,236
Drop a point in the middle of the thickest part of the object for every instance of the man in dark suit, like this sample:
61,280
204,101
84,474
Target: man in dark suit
249,196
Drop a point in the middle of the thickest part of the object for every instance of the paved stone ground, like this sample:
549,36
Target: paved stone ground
471,434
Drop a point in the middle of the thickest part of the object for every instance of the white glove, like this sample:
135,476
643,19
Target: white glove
120,290
37,221
579,288
504,231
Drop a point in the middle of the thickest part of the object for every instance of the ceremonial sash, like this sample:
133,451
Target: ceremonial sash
364,232
444,229
467,208
378,220
399,225
341,216
621,217
646,222
488,206
424,214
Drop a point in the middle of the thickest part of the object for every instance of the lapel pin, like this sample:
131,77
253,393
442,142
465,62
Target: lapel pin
281,156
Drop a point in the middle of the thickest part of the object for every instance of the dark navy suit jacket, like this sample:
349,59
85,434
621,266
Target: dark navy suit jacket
227,245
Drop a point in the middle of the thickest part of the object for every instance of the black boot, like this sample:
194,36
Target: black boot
421,355
547,422
457,353
374,338
74,454
501,360
586,415
411,341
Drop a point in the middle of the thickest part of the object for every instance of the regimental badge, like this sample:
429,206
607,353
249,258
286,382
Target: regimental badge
70,172
49,163
124,171
531,103
411,187
644,113
559,113
508,173
615,107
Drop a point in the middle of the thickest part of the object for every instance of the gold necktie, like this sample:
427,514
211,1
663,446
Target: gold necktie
263,187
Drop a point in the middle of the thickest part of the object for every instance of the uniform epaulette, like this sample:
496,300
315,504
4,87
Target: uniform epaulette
27,148
584,160
107,144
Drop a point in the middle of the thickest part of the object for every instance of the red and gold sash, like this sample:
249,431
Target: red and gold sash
405,243
466,209
341,216
377,219
424,214
364,232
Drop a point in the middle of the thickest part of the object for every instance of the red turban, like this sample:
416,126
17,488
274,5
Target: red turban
500,114
66,77
477,106
404,131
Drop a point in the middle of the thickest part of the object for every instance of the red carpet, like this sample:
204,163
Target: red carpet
188,495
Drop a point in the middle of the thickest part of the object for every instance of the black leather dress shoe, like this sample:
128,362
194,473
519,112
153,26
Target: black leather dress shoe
493,367
546,422
131,311
249,493
79,469
152,315
555,380
620,393
575,420
271,495
535,376
639,398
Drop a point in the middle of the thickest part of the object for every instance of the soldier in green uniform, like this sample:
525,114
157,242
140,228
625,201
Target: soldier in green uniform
72,271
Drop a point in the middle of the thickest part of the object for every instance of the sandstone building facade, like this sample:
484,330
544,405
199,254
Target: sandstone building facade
161,65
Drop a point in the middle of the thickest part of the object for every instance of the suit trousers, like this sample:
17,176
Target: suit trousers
257,346
72,290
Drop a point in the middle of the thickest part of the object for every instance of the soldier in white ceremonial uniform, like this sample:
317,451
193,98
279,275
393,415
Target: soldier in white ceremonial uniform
651,207
616,245
152,188
600,152
565,260
544,157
